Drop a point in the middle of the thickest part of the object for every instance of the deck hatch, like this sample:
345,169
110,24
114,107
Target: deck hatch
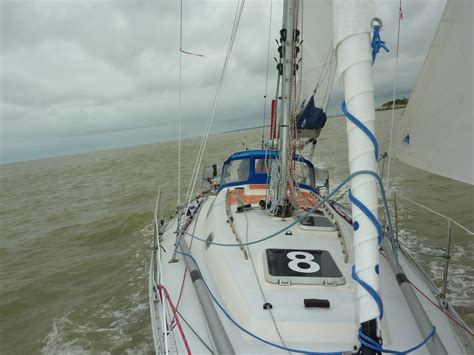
301,266
317,223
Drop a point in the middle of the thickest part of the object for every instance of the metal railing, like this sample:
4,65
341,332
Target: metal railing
321,176
447,255
157,273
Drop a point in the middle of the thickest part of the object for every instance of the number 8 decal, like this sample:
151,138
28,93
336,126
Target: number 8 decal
307,259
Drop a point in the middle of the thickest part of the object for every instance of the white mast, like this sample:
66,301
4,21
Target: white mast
354,68
288,68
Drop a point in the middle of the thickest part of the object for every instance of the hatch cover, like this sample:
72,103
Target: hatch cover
301,266
317,223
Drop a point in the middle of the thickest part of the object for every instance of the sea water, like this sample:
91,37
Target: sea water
76,234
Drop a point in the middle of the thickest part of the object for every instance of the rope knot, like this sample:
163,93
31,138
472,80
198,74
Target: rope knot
377,42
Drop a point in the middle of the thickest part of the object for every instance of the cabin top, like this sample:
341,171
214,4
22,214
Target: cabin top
254,167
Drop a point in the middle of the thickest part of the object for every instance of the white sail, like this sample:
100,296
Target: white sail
436,131
318,63
354,70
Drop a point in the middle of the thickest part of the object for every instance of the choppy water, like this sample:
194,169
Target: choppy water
76,233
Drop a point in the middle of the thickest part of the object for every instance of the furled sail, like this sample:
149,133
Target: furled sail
436,131
317,67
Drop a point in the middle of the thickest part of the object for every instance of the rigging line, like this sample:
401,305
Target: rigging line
180,97
211,116
191,53
322,201
387,181
266,80
403,245
300,78
326,68
194,331
240,6
265,300
170,303
437,213
442,310
192,185
186,268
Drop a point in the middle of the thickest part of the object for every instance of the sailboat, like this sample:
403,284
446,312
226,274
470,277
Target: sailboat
263,260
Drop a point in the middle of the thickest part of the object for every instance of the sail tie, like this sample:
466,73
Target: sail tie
377,42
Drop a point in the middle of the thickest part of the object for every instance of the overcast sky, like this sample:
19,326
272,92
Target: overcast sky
87,75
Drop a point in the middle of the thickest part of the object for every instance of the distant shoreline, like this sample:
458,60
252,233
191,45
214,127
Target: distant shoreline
399,103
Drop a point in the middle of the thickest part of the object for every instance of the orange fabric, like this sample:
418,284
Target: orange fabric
306,199
258,186
246,199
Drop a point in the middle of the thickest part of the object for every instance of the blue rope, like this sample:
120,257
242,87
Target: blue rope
280,232
253,335
369,289
370,343
312,210
364,128
377,43
368,213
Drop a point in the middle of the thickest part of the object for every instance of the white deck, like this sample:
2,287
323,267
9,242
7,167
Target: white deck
231,278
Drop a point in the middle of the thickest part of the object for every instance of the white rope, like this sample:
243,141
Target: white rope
273,196
437,213
393,97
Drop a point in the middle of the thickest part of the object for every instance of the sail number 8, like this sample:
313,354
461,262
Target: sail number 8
302,262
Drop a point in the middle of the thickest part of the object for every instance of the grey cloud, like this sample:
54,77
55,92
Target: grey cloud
84,75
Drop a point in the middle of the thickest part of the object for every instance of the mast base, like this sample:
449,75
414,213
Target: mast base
284,210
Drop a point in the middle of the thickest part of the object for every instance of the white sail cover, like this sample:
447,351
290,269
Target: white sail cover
318,62
436,131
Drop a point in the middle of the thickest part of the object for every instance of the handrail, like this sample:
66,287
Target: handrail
443,292
157,253
156,259
438,213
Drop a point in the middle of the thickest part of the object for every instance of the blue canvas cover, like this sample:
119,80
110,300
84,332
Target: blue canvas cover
312,118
